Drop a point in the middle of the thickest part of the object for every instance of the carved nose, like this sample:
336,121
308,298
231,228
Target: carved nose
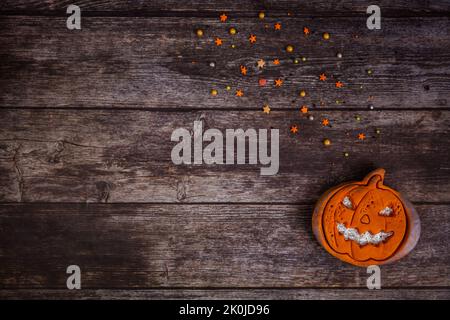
365,219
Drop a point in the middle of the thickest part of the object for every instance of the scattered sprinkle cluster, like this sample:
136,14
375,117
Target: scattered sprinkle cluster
260,64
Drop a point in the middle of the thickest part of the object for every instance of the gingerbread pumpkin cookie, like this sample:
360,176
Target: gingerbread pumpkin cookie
366,223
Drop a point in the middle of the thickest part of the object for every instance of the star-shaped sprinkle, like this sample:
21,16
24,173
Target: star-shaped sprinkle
339,84
244,70
239,93
223,17
306,31
322,77
218,41
304,109
361,136
325,122
252,38
294,129
262,82
276,62
277,26
266,109
260,63
278,82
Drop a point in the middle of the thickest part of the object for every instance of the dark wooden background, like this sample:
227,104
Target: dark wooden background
85,123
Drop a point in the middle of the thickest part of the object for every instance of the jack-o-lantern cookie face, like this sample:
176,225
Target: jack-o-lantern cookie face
366,222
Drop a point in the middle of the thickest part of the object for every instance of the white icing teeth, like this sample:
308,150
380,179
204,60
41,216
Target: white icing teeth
362,239
386,212
347,203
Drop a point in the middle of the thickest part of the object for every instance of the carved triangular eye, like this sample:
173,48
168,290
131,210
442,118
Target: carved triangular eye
347,203
386,212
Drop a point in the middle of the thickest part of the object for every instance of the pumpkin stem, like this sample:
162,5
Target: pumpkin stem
375,177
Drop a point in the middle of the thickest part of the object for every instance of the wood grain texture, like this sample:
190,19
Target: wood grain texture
139,246
86,117
231,294
150,63
246,8
124,156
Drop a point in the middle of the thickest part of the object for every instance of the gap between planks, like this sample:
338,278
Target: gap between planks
224,109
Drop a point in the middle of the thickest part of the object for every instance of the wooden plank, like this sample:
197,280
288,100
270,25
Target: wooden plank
124,156
241,8
159,63
231,294
142,246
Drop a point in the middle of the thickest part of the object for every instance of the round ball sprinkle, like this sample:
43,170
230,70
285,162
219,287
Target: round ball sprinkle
232,31
289,48
326,142
214,92
326,36
199,32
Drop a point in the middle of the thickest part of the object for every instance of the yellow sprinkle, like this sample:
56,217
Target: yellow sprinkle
199,32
